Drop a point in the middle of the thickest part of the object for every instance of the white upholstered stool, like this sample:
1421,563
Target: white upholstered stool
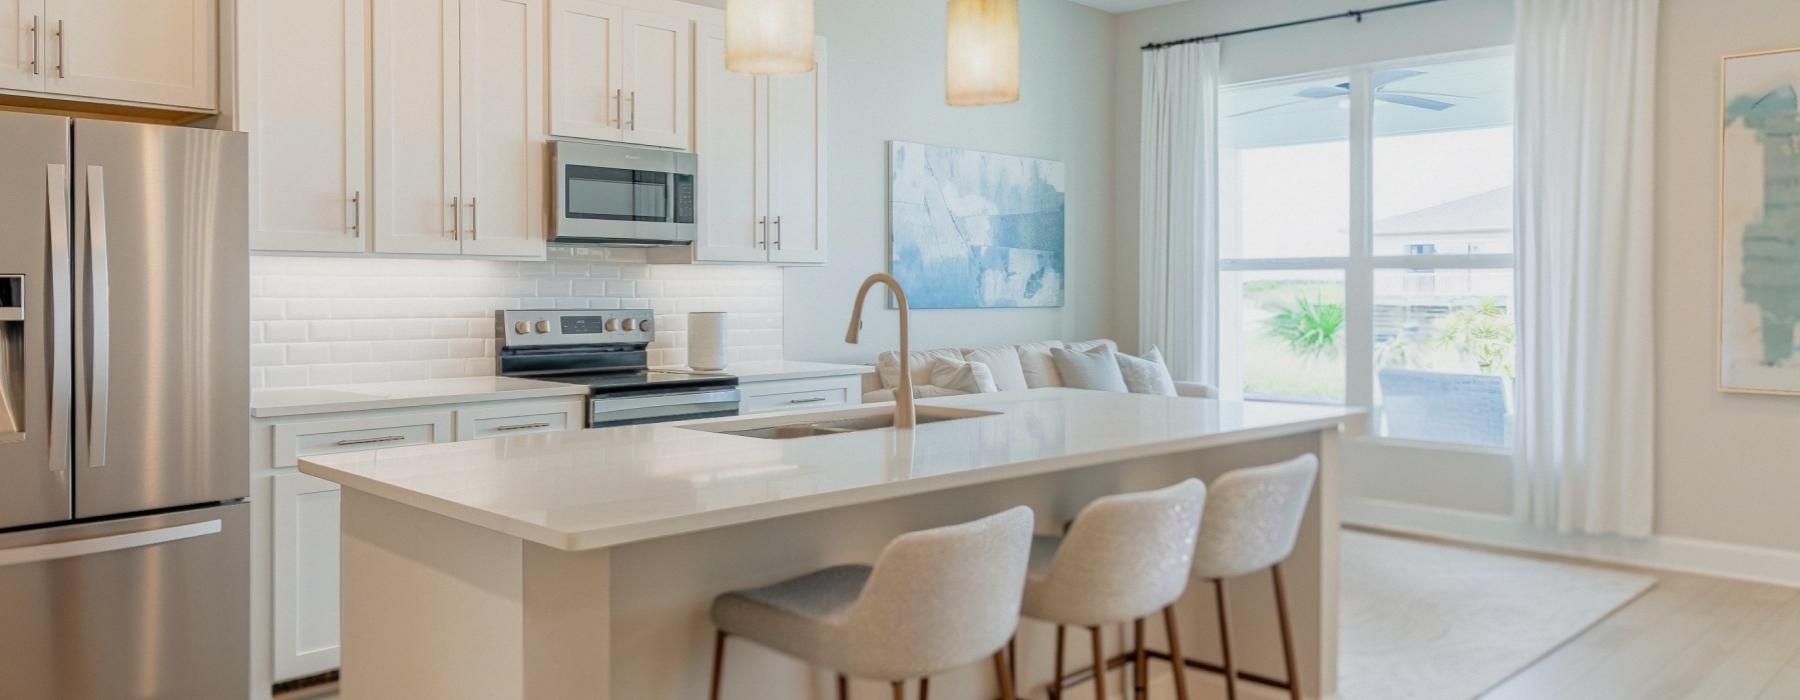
935,600
1125,558
1252,520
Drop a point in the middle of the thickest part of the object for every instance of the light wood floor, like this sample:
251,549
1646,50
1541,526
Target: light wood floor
1690,637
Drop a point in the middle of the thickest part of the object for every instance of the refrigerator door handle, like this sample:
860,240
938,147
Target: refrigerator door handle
56,201
109,543
99,383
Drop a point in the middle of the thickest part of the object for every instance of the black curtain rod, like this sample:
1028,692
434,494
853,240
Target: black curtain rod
1353,14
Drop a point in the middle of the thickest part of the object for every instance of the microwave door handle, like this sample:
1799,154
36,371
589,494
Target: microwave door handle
99,384
56,203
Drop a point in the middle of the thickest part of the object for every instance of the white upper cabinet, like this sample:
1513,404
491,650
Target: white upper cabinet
502,128
418,142
620,74
762,165
22,33
151,51
587,75
302,100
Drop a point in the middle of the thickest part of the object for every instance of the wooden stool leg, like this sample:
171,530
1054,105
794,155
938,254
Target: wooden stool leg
899,690
925,688
1012,659
1004,673
843,687
1099,665
1056,686
718,662
1176,658
1140,672
1287,634
1225,639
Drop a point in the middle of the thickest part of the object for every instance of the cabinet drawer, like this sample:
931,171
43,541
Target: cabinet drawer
794,400
521,418
296,440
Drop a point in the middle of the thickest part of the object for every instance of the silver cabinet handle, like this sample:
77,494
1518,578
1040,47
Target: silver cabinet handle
618,107
474,217
456,218
34,44
814,399
100,383
56,198
370,441
527,426
356,213
109,543
62,50
762,238
778,233
634,110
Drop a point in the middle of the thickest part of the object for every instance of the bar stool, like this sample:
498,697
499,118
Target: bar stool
1124,558
935,600
1252,520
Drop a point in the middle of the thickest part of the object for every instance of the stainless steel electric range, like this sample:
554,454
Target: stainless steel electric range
607,351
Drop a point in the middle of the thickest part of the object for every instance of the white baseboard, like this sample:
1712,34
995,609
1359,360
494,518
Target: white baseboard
1759,564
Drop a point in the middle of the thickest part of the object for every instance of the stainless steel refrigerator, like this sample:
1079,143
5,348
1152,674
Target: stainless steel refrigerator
124,395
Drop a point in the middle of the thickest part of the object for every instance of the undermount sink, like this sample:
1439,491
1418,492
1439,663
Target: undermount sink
833,424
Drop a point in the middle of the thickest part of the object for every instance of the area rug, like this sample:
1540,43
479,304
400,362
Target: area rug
1422,621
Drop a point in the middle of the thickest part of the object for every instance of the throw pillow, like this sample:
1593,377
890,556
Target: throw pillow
1147,374
962,377
888,365
1003,362
1038,367
1096,369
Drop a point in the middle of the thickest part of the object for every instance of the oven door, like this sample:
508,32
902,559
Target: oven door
623,195
609,412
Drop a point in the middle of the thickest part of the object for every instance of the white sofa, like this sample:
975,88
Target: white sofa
1014,368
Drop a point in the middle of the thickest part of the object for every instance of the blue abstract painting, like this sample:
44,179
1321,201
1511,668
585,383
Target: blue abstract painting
1759,221
974,230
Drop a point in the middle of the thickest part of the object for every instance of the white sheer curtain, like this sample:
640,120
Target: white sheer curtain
1586,71
1178,219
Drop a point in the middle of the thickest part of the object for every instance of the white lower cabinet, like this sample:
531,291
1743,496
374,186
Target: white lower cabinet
305,556
300,513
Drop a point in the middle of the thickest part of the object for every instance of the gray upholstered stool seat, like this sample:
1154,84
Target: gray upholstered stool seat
934,600
1125,557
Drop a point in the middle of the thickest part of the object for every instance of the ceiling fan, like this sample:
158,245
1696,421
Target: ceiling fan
1379,82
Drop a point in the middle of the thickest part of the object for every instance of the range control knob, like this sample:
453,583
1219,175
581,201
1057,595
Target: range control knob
630,324
543,326
521,328
612,324
644,325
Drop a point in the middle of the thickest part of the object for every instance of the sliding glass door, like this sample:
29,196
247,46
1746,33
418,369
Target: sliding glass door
1366,245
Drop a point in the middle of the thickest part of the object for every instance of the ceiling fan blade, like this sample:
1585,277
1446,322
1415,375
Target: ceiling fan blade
1384,77
1428,94
1320,92
1420,102
1265,109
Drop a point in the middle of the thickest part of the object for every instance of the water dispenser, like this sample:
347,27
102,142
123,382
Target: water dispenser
12,357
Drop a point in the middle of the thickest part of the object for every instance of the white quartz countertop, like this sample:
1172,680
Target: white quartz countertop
775,370
275,403
599,488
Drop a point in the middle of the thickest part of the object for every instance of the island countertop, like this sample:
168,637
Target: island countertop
591,489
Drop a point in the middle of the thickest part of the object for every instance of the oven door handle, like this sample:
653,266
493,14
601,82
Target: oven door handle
632,403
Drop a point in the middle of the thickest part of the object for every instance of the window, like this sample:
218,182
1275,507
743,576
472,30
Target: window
1366,244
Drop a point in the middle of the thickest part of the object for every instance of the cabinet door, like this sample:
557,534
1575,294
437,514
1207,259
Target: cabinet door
305,554
586,69
417,135
22,35
155,51
302,91
502,128
733,182
797,165
658,80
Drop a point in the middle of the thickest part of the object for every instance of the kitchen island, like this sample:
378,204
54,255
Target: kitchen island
583,564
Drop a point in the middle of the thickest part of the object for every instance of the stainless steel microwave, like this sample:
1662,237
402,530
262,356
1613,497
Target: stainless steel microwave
611,194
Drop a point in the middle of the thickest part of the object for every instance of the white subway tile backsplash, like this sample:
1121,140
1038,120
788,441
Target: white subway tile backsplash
352,320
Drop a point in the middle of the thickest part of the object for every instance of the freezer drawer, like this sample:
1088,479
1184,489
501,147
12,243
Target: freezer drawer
146,607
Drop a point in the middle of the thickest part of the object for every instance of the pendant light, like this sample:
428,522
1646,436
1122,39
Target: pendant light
981,57
769,37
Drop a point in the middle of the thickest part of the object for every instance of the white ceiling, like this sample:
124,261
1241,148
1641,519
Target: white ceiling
1124,5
